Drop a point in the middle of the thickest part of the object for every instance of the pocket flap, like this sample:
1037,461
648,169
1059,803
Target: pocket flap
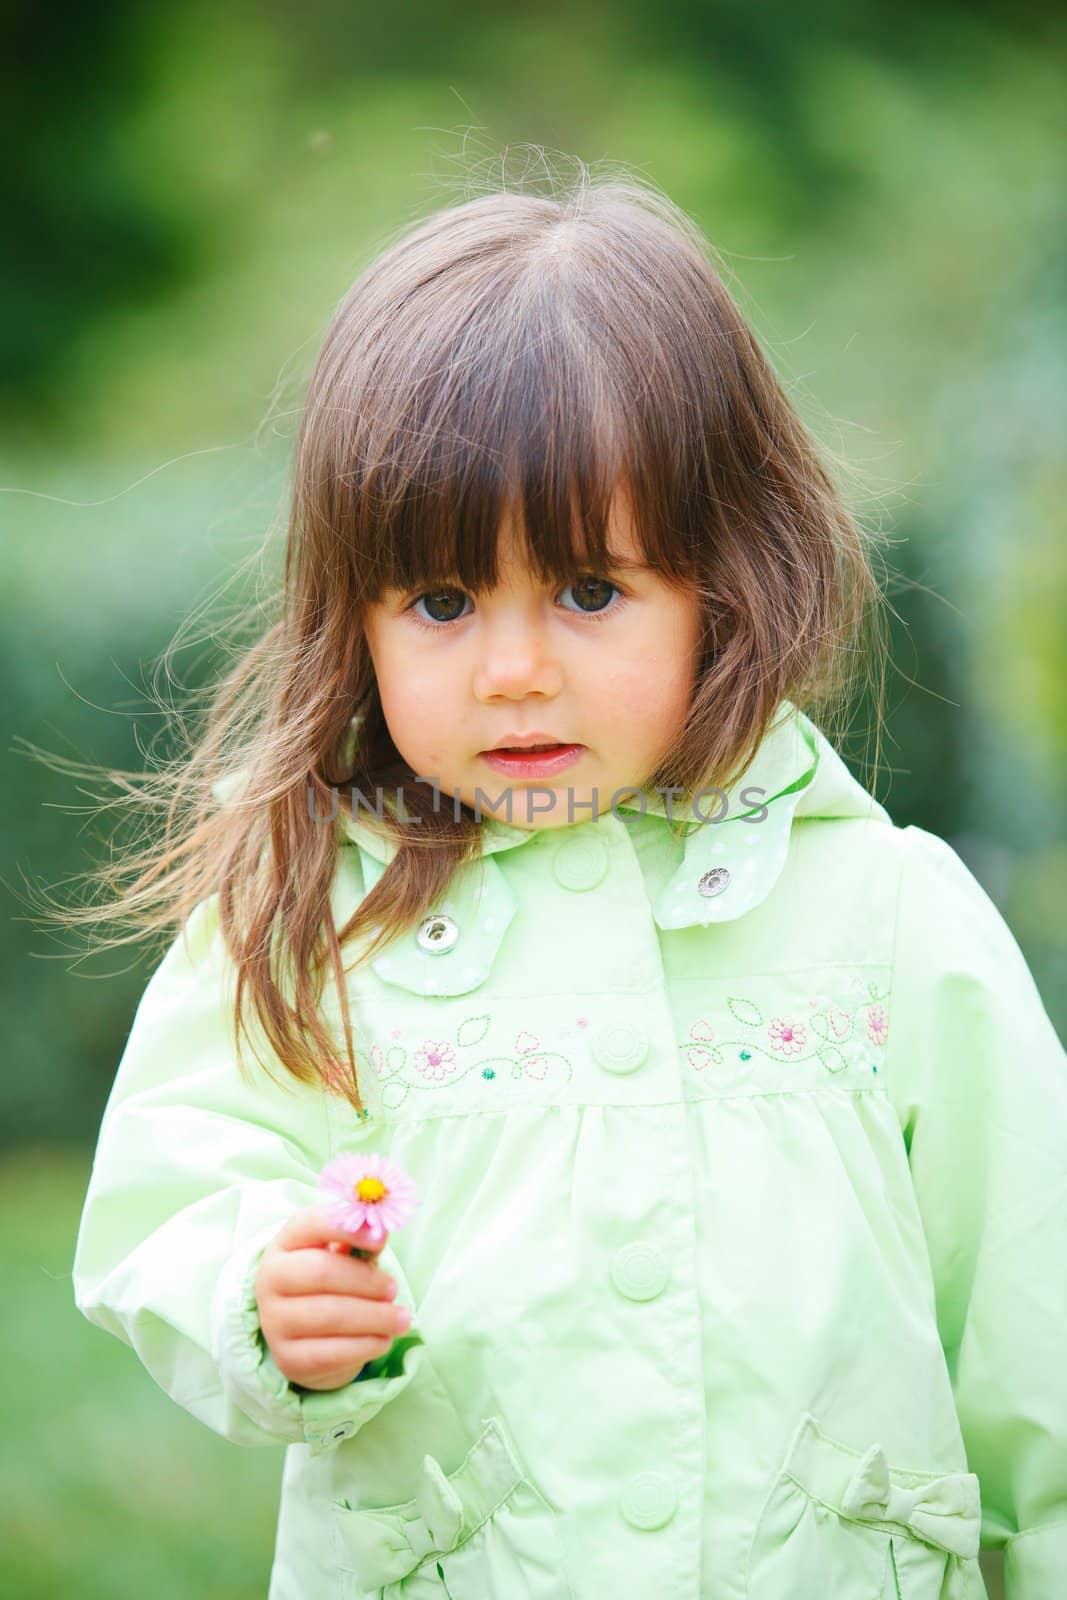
942,1509
478,907
382,1546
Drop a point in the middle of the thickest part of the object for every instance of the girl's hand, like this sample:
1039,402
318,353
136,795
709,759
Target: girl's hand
325,1313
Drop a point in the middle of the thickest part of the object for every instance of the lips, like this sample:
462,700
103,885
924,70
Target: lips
524,762
515,748
533,737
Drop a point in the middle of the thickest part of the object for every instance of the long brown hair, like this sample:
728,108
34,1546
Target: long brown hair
520,354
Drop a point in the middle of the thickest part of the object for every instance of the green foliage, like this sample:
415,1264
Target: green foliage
110,1490
885,188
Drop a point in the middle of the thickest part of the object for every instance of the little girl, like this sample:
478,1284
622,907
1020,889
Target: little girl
516,852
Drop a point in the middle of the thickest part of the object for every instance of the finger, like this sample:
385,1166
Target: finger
307,1360
320,1316
365,1244
363,1250
310,1227
300,1272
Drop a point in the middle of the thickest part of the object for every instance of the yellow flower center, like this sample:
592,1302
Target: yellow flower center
370,1189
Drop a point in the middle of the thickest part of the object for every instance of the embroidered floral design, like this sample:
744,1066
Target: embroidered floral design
435,1062
533,1061
698,1054
832,1024
786,1036
435,1059
745,1011
472,1030
877,1024
783,1038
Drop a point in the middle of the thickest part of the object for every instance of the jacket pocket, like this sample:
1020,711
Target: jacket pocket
482,1532
845,1522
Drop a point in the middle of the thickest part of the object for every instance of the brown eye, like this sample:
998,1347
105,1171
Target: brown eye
592,594
443,605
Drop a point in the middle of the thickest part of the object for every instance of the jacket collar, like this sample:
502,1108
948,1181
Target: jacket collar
729,866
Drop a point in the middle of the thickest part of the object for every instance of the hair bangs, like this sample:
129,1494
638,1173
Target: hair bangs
521,422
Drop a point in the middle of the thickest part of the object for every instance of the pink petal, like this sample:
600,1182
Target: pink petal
345,1210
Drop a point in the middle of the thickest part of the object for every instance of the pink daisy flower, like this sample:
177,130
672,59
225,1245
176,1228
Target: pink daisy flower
367,1190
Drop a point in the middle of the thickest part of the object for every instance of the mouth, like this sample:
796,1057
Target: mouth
534,739
527,749
532,760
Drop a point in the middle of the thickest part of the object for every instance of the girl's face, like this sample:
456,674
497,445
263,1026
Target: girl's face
607,662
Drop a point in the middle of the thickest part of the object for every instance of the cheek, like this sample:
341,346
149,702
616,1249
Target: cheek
681,660
410,715
655,678
406,687
640,702
404,706
420,706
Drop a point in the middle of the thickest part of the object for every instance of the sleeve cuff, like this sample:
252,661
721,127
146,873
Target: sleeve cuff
320,1418
1035,1561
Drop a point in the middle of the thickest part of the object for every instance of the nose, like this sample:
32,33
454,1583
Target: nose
515,659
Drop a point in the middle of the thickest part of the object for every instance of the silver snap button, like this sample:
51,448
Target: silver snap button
437,933
714,882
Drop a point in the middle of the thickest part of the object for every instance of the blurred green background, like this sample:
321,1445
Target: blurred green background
194,190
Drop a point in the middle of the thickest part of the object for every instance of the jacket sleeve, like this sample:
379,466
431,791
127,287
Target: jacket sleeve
979,1080
195,1172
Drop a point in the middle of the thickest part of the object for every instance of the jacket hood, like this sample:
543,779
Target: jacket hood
833,791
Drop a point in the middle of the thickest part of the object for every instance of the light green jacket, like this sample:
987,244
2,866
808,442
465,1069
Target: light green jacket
740,1271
